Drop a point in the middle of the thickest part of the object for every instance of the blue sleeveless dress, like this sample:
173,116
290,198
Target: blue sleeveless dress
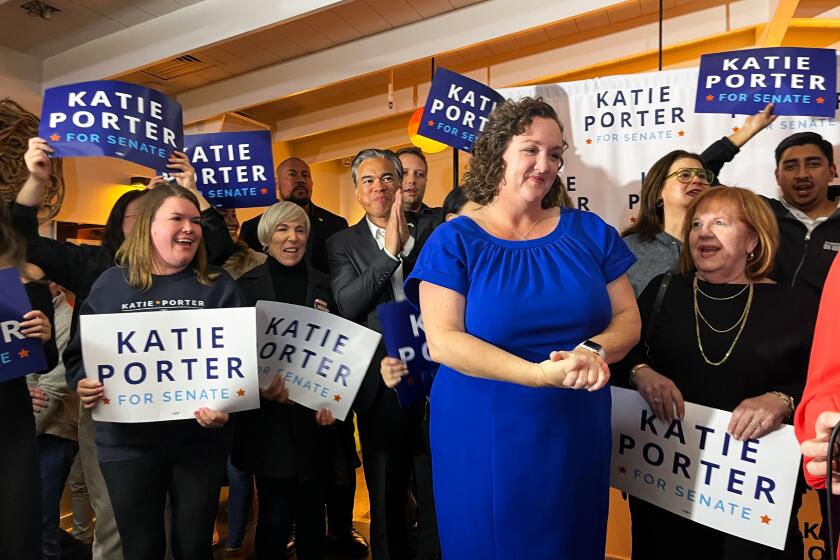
521,472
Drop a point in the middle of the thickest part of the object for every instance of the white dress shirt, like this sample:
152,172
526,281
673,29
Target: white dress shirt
397,278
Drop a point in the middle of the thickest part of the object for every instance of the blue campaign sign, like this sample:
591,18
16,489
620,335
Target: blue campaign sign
457,109
234,169
801,82
19,355
405,338
115,119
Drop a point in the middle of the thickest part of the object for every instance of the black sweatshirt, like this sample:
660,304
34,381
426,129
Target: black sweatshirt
112,294
76,267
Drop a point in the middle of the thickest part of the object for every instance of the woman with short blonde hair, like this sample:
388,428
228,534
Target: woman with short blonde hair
277,214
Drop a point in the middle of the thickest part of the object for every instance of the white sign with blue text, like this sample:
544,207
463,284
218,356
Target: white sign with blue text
323,358
165,365
694,468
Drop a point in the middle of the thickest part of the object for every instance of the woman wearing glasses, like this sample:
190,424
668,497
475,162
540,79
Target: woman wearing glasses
668,188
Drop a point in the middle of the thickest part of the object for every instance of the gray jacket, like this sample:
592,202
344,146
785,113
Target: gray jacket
654,258
61,417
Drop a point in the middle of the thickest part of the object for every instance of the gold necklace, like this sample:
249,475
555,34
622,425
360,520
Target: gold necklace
697,287
743,322
530,229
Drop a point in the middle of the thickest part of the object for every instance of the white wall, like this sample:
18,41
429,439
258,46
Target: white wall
20,78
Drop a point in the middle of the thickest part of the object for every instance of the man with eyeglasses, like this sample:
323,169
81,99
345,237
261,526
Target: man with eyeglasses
809,222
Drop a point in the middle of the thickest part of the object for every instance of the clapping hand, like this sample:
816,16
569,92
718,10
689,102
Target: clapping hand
396,232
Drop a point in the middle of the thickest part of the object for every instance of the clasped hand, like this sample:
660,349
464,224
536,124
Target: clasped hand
578,369
396,232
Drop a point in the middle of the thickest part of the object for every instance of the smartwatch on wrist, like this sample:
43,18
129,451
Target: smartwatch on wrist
593,347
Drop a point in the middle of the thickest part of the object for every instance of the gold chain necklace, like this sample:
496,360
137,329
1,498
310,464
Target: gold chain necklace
530,229
742,321
741,291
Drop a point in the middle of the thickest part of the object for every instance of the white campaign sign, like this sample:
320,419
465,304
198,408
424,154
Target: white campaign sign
618,126
322,357
695,469
165,365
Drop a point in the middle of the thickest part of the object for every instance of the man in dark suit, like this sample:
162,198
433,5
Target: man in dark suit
369,263
294,183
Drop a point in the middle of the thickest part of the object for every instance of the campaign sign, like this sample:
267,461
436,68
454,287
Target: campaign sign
799,81
457,109
694,468
165,365
19,355
405,338
323,358
109,118
233,169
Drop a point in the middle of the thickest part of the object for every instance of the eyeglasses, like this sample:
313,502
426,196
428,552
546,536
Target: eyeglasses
686,174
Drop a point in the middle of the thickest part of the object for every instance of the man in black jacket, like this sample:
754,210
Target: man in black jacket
294,183
809,223
369,262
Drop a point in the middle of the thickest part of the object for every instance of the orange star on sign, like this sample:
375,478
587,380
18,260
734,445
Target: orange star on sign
55,137
431,123
589,140
766,519
633,220
24,353
710,98
263,190
820,100
681,133
241,392
106,401
337,398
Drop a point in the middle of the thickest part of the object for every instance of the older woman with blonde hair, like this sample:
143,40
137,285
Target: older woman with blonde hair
161,261
724,335
287,446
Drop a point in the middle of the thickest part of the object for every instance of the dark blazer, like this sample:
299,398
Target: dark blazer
361,280
323,224
282,439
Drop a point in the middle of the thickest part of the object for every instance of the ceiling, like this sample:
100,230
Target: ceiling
309,34
78,22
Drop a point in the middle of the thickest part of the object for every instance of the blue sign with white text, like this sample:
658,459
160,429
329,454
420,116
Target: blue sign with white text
19,355
799,81
234,169
115,119
405,338
457,109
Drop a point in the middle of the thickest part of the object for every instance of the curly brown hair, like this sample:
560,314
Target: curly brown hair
487,166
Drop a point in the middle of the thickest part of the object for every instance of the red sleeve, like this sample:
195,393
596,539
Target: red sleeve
822,391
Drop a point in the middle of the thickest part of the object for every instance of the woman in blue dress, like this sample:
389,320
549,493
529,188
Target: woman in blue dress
523,302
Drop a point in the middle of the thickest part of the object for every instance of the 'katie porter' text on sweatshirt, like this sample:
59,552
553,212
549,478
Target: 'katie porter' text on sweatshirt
113,294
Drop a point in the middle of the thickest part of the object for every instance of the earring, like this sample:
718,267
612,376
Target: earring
659,203
750,255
